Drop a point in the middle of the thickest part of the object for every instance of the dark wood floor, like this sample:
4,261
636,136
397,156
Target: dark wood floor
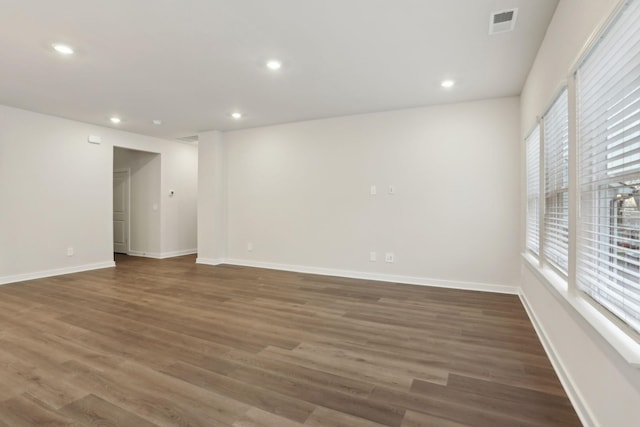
168,342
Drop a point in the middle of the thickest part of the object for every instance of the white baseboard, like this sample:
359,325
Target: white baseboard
154,255
55,272
409,280
210,261
172,254
583,411
162,255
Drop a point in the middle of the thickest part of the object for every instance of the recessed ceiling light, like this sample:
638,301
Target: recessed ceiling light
62,48
157,122
236,115
115,120
274,64
447,83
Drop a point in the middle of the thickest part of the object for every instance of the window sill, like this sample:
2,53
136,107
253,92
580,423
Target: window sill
626,346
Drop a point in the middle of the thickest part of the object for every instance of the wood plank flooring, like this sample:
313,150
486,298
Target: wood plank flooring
172,343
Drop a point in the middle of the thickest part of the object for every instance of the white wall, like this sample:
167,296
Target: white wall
144,195
608,388
56,192
212,198
300,193
179,216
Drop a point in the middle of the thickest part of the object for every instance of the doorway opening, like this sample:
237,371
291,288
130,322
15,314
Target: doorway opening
136,202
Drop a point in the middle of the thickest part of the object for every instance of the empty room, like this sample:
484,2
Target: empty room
356,213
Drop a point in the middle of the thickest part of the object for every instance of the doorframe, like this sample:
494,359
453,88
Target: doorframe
128,171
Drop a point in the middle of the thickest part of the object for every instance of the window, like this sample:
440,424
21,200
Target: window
533,190
556,183
608,245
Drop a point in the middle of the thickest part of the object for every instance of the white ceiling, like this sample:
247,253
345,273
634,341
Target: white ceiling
191,63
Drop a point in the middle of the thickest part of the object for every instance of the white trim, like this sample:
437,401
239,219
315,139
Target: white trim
579,403
625,345
162,255
564,84
596,34
533,127
154,255
183,252
210,261
55,272
410,280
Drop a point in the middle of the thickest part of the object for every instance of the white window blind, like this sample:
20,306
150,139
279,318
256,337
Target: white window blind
533,191
556,180
608,245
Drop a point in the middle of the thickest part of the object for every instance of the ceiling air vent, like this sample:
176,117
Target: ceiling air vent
191,139
502,21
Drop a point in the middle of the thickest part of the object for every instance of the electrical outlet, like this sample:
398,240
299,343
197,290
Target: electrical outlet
389,257
69,251
372,256
392,189
373,190
249,247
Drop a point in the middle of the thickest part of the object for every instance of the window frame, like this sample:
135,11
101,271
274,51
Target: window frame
621,337
550,147
533,243
607,114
